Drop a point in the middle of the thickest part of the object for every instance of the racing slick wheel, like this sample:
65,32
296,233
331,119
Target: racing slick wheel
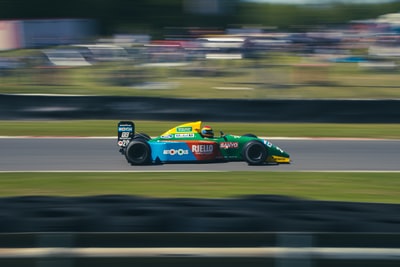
254,153
138,152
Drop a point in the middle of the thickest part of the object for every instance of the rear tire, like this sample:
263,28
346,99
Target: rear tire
254,153
138,152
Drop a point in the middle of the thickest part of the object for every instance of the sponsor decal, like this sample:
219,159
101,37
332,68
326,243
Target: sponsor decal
125,134
267,143
172,152
226,145
125,129
184,135
203,149
167,136
123,143
183,129
280,159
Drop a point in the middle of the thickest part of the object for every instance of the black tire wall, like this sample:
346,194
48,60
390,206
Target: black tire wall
15,107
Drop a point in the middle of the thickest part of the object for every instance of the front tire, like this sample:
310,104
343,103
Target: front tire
138,152
254,153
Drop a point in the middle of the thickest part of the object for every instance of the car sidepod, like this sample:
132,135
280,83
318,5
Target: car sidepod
181,151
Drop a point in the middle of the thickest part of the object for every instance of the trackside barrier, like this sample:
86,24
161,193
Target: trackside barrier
200,249
17,107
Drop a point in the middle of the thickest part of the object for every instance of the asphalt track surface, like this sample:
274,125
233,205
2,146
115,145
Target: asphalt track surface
101,154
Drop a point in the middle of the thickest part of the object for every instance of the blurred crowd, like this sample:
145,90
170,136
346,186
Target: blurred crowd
367,41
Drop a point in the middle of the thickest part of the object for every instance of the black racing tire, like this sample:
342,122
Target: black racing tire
250,135
138,152
254,153
142,136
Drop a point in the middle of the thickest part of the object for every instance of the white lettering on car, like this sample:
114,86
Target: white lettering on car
267,143
123,129
227,145
202,149
184,135
123,142
125,134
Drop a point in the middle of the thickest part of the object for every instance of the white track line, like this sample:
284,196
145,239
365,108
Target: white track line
194,171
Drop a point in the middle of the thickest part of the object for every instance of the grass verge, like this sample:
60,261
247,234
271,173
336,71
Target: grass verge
155,128
356,187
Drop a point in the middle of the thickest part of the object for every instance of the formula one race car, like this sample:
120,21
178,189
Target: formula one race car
187,143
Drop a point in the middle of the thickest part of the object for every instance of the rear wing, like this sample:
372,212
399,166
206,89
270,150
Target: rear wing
126,131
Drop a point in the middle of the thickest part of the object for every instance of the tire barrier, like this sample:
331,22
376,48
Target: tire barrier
200,249
256,213
17,107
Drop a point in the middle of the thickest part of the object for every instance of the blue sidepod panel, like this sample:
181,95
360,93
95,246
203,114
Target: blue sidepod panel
171,151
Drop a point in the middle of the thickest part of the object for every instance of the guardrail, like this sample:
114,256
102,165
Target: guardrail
200,249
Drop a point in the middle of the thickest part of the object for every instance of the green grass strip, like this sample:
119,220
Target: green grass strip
155,128
348,186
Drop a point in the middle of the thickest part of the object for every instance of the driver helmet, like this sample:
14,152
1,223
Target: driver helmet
207,131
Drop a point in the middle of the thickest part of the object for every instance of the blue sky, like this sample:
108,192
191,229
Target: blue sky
319,1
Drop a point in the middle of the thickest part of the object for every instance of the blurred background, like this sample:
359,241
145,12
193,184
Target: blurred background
201,49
